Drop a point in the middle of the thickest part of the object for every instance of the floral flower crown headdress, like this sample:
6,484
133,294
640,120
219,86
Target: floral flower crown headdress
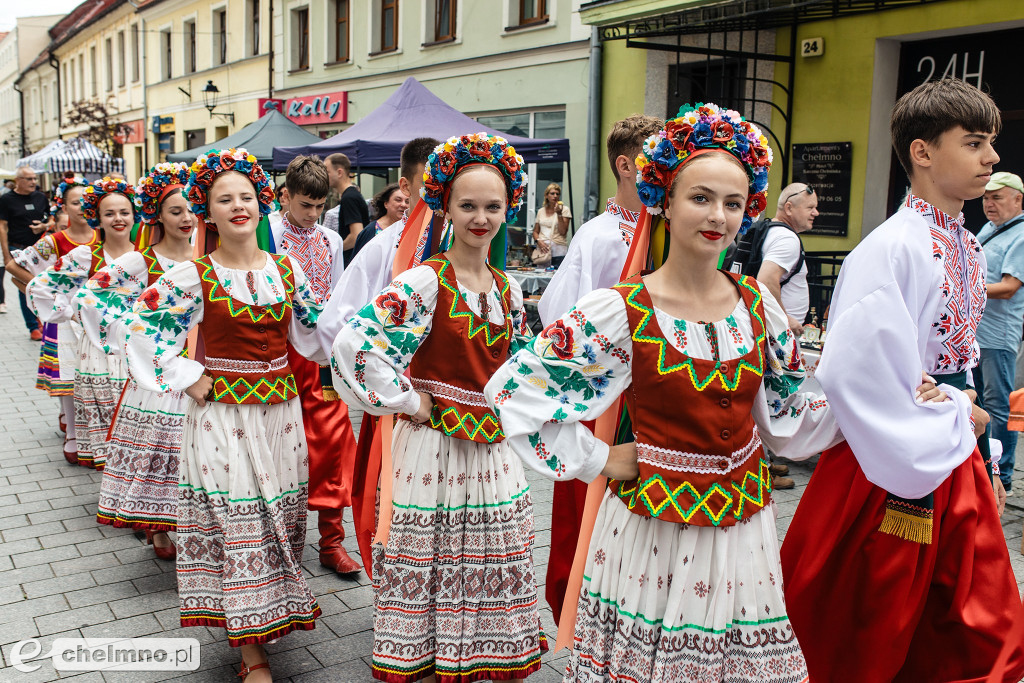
155,187
456,153
66,183
97,190
207,167
705,128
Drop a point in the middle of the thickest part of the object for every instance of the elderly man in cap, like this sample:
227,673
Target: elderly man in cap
999,333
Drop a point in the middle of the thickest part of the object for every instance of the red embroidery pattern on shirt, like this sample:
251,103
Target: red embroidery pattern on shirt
627,222
963,287
312,252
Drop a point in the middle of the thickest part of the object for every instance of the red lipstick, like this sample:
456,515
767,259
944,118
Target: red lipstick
711,235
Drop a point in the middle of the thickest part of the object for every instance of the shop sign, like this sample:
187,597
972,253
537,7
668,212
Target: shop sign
163,124
326,108
828,168
133,134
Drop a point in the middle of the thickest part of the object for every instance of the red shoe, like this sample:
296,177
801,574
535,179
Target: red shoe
70,456
332,554
246,670
168,552
36,335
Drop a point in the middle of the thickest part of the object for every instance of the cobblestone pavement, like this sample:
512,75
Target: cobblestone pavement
62,575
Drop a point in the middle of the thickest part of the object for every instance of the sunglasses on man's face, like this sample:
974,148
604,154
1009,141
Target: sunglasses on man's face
808,190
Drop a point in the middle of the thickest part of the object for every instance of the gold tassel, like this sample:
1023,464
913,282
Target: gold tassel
330,394
907,526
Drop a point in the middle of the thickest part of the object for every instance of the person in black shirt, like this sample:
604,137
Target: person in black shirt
24,215
351,215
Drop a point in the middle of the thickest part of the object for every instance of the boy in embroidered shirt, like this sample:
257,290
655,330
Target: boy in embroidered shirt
895,563
329,436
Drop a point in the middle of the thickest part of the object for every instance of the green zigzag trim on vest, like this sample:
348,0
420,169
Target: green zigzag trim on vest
234,307
699,383
97,259
282,386
468,424
640,492
475,328
149,256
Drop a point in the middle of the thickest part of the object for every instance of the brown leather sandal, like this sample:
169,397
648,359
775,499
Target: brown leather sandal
246,670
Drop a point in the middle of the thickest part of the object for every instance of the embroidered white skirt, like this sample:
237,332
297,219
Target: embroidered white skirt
664,602
99,379
242,520
455,589
140,478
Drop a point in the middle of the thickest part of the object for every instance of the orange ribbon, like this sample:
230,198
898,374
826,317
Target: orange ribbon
604,429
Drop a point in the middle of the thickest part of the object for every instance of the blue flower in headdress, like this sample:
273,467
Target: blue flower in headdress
742,143
213,162
650,195
760,182
497,151
243,166
702,135
462,153
666,154
745,225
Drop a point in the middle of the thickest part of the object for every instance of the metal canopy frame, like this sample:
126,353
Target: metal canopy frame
742,18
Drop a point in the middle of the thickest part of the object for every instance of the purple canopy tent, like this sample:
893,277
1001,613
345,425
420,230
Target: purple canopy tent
412,111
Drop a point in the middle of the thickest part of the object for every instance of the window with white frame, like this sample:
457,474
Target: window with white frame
43,103
252,11
93,73
108,61
384,26
166,53
220,36
340,18
136,64
440,20
80,89
300,38
120,59
189,35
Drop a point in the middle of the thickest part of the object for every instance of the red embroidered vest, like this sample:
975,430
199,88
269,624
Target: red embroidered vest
246,345
153,268
700,456
457,358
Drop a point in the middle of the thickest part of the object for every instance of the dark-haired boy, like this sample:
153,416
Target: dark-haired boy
329,438
895,564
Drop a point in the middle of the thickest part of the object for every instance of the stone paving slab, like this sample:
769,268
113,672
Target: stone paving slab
62,575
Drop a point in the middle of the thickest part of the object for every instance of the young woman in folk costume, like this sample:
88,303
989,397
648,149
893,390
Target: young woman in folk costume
455,587
107,204
243,483
59,354
682,577
140,477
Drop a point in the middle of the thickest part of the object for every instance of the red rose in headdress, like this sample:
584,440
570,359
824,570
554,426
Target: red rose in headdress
561,339
655,174
756,203
394,306
266,196
205,175
678,133
759,154
153,190
480,148
102,279
446,163
721,132
227,162
511,164
197,195
150,298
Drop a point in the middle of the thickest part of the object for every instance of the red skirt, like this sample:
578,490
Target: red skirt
329,439
868,606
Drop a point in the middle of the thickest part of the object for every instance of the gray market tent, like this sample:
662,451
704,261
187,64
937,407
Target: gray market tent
76,155
258,138
412,111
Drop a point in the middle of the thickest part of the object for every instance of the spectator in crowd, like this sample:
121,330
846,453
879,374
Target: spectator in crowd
276,218
783,270
389,205
351,215
6,187
551,229
999,331
24,215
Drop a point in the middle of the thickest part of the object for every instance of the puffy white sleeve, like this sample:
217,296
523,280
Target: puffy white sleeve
871,367
106,300
573,371
794,424
37,257
365,276
163,315
305,312
374,349
50,293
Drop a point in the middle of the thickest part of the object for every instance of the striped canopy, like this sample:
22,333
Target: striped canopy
76,155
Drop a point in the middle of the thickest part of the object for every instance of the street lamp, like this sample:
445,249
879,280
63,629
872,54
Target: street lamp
210,95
